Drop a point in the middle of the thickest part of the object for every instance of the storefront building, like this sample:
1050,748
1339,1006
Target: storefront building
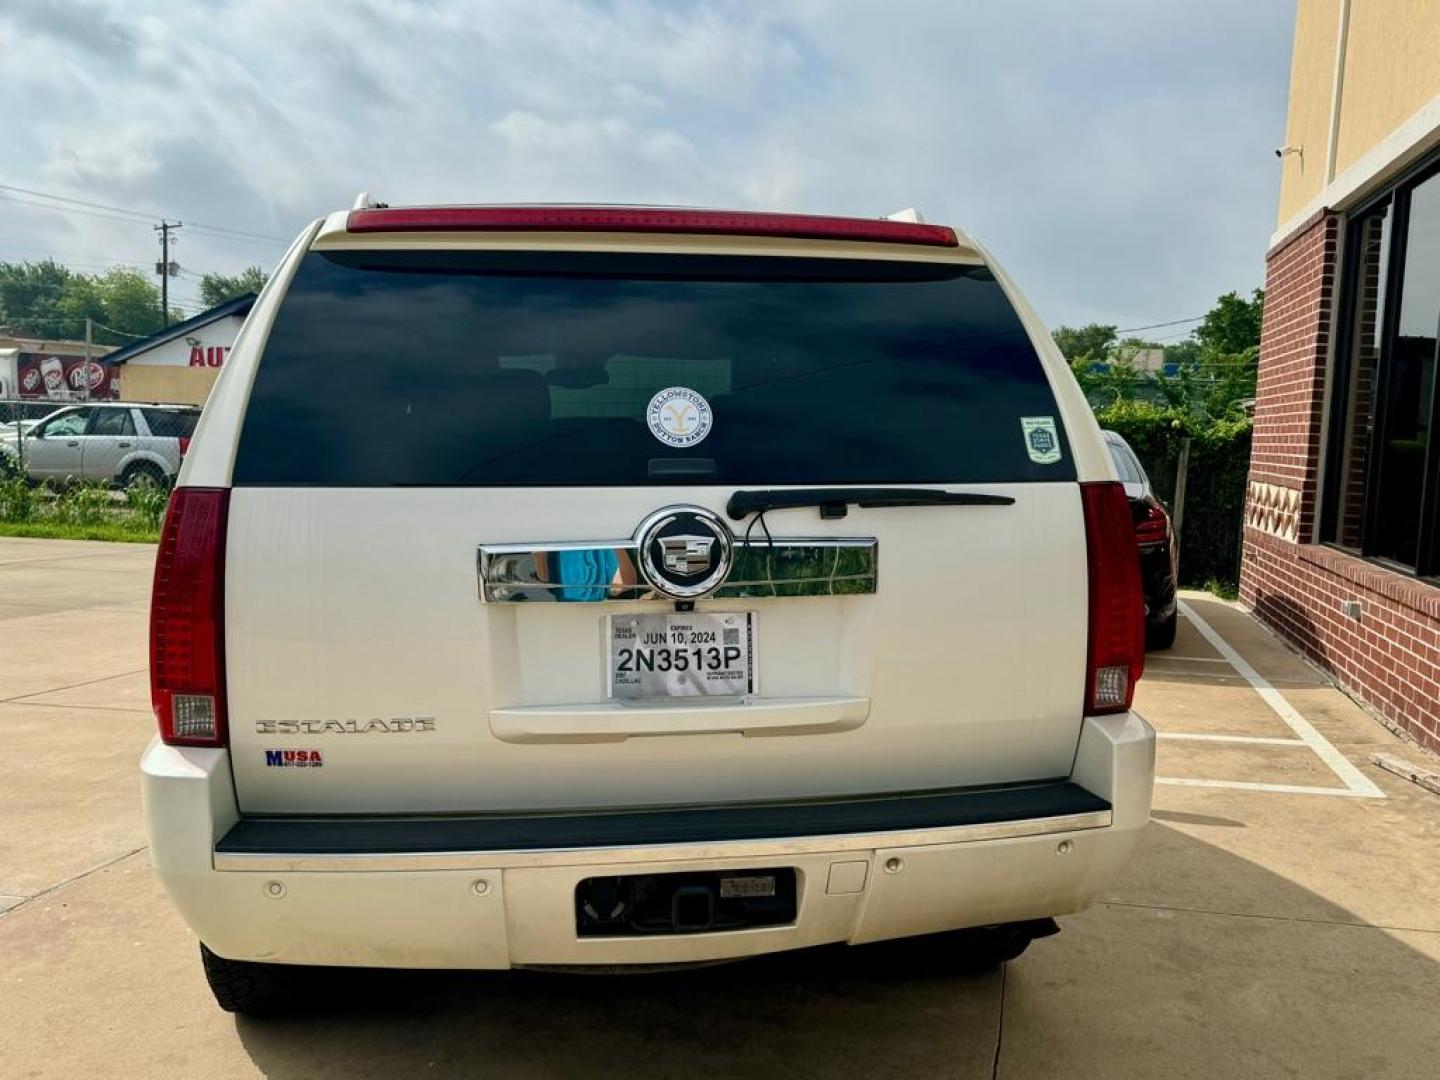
180,364
1342,530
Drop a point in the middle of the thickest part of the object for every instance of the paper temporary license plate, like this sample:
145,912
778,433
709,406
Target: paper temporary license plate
694,654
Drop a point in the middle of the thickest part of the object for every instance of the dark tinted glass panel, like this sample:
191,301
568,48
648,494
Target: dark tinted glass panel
1410,385
171,423
1125,465
1370,237
112,422
531,368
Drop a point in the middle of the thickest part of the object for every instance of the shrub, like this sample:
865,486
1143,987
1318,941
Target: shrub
1214,486
83,503
148,500
17,500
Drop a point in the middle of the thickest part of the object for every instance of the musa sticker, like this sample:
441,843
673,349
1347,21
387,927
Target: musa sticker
678,416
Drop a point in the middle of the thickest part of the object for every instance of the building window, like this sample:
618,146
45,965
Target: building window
1383,477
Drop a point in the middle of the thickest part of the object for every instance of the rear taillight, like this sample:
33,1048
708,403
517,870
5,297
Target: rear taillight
1153,526
646,220
1117,612
187,659
184,444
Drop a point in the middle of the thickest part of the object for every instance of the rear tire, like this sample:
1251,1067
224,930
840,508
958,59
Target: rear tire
986,947
1161,635
243,986
144,472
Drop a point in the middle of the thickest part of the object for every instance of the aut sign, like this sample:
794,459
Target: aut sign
207,355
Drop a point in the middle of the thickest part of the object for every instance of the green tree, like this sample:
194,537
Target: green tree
31,295
1092,342
1181,353
218,288
132,303
52,301
1232,325
83,298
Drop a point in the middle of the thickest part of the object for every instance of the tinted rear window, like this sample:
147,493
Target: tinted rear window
1125,464
171,423
508,369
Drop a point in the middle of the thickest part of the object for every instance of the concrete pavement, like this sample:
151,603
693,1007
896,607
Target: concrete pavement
1258,933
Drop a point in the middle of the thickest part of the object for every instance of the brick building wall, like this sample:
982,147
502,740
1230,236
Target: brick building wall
1390,656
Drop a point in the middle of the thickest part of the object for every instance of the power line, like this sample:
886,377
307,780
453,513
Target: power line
237,234
78,202
54,255
112,330
71,210
89,269
1158,325
94,209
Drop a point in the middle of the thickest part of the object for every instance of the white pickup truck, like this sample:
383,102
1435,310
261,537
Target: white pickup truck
646,587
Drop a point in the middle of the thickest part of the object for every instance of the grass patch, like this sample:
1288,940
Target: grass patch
120,532
1225,590
81,511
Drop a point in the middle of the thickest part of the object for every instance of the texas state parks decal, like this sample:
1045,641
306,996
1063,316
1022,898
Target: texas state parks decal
1042,442
678,416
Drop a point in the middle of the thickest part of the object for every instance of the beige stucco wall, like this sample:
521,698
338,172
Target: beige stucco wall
1392,69
180,385
1312,68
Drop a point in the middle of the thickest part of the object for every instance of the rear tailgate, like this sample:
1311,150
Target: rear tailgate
500,398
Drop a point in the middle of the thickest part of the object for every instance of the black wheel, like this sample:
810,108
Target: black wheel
985,947
145,472
242,986
1161,635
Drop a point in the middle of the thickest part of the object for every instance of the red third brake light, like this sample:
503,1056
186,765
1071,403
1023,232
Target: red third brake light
1117,611
645,220
187,660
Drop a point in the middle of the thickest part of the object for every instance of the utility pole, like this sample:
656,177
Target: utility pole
89,341
165,268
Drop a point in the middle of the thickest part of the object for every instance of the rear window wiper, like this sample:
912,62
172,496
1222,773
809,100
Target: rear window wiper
834,502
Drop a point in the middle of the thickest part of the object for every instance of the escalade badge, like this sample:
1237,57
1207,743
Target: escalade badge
398,725
685,551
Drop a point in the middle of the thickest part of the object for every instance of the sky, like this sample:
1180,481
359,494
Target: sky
1116,156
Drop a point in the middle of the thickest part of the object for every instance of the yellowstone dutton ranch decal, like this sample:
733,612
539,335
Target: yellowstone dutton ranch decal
293,759
1042,441
678,416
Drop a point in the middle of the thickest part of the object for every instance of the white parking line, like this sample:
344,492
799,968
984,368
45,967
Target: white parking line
1356,783
1247,785
1260,739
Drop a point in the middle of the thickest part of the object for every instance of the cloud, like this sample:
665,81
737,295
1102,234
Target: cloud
1114,155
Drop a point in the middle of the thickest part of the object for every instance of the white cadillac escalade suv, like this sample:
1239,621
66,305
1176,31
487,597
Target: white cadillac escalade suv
593,586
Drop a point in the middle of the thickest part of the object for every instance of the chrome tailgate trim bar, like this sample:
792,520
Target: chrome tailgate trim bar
566,572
